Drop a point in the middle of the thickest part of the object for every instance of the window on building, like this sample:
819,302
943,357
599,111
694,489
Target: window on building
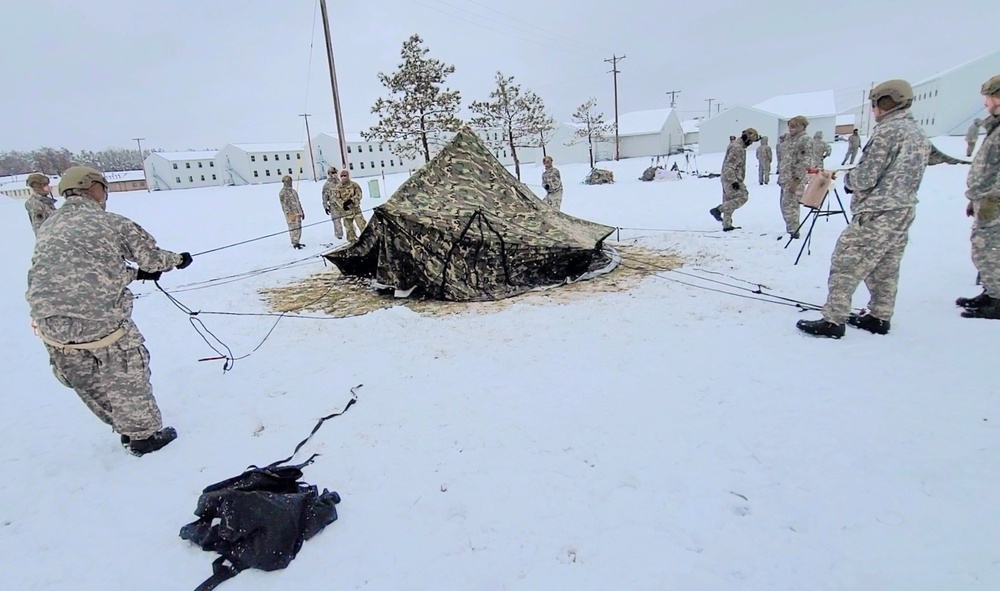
213,177
300,170
350,165
276,158
211,164
265,157
380,148
373,164
178,179
362,165
200,165
267,172
348,149
203,178
371,148
382,163
187,165
298,156
935,93
289,171
175,166
255,175
253,158
190,179
288,156
392,163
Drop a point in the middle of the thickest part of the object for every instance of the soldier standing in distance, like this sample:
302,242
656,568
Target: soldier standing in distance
794,158
349,198
292,208
552,183
330,205
764,155
734,170
821,150
40,203
82,308
883,190
983,194
853,143
971,137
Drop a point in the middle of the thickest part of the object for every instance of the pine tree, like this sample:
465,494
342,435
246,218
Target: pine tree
592,129
541,125
418,109
515,114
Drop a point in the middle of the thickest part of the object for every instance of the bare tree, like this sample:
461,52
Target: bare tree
592,127
515,114
418,108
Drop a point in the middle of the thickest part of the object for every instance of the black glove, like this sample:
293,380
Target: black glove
327,210
141,275
736,186
546,187
348,204
185,260
848,189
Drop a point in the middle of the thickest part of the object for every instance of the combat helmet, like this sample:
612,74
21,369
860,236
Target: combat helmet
36,179
992,86
286,179
799,121
80,178
750,135
899,91
332,170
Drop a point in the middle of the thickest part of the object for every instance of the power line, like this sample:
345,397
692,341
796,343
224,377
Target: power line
532,25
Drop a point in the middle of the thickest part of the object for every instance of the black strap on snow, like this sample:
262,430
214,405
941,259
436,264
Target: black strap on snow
220,572
354,398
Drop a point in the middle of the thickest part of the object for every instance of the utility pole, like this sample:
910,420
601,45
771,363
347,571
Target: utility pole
614,70
333,85
710,106
718,108
312,160
138,140
673,93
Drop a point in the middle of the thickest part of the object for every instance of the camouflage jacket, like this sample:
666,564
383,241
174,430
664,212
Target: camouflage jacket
891,167
984,175
329,192
349,192
39,207
734,165
796,158
764,154
552,180
821,150
290,203
972,135
78,269
853,142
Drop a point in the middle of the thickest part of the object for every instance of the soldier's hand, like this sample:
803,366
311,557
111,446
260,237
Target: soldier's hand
185,260
141,275
327,210
969,210
736,186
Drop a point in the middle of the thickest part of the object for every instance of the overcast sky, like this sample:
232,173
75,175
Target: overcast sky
203,73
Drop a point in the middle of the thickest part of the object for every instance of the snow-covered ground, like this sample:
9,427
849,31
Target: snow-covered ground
666,437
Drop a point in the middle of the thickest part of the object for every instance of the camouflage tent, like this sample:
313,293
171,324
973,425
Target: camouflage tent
462,228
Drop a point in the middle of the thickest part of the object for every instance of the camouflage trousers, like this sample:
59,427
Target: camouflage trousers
870,249
732,199
294,221
851,154
986,246
790,205
113,382
969,147
338,227
554,200
763,172
354,218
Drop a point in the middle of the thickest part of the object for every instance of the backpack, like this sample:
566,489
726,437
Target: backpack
260,518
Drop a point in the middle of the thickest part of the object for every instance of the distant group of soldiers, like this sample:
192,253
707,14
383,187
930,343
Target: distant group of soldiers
341,201
883,188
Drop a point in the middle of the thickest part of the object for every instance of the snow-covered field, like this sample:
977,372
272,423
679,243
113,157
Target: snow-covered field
667,437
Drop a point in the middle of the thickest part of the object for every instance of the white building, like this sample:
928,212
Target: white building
820,108
364,158
714,132
948,102
255,164
566,147
654,132
690,128
181,170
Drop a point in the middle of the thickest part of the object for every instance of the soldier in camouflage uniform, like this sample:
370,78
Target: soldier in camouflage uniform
292,208
82,308
984,204
330,205
794,159
348,197
821,150
764,156
853,143
552,183
883,190
734,170
40,204
972,136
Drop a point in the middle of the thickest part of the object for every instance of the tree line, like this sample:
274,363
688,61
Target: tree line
419,108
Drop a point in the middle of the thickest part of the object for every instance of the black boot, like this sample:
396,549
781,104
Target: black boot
977,302
156,441
821,328
990,310
126,440
866,321
716,214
